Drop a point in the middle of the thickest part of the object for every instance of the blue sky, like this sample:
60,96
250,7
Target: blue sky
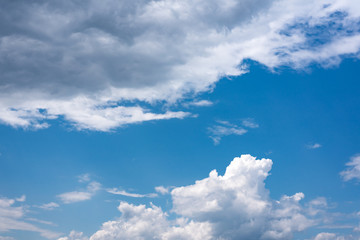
115,114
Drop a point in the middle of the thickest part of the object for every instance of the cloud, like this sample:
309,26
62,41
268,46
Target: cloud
12,218
103,65
233,206
249,123
127,194
21,199
84,178
314,146
6,238
74,236
329,236
199,103
79,196
49,206
224,128
353,169
162,190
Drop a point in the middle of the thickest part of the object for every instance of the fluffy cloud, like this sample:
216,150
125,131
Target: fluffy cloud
12,218
78,196
99,64
353,169
233,206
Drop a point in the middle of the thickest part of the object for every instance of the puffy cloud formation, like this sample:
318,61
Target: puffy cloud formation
12,218
353,169
233,206
98,64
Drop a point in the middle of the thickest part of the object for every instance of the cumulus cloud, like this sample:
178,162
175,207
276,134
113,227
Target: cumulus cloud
353,169
12,218
233,206
79,196
127,194
101,65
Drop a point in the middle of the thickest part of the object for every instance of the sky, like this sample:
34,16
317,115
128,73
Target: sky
167,119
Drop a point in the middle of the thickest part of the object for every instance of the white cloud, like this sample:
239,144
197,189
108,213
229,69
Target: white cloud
79,196
250,123
353,169
224,128
6,238
139,222
98,64
84,178
127,194
233,206
199,103
12,218
162,190
314,146
328,236
49,206
21,199
74,235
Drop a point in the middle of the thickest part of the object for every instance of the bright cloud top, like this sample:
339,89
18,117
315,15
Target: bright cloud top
233,206
98,64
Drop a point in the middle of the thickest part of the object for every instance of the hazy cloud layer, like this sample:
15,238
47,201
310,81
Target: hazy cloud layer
12,217
96,63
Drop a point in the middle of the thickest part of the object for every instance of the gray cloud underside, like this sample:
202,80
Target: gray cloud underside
83,59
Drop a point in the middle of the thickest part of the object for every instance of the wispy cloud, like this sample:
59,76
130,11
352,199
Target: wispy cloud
74,235
12,217
116,191
84,178
48,206
353,169
162,190
225,128
314,146
199,103
249,123
79,196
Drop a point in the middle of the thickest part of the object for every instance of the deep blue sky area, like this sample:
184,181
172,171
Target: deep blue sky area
294,109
